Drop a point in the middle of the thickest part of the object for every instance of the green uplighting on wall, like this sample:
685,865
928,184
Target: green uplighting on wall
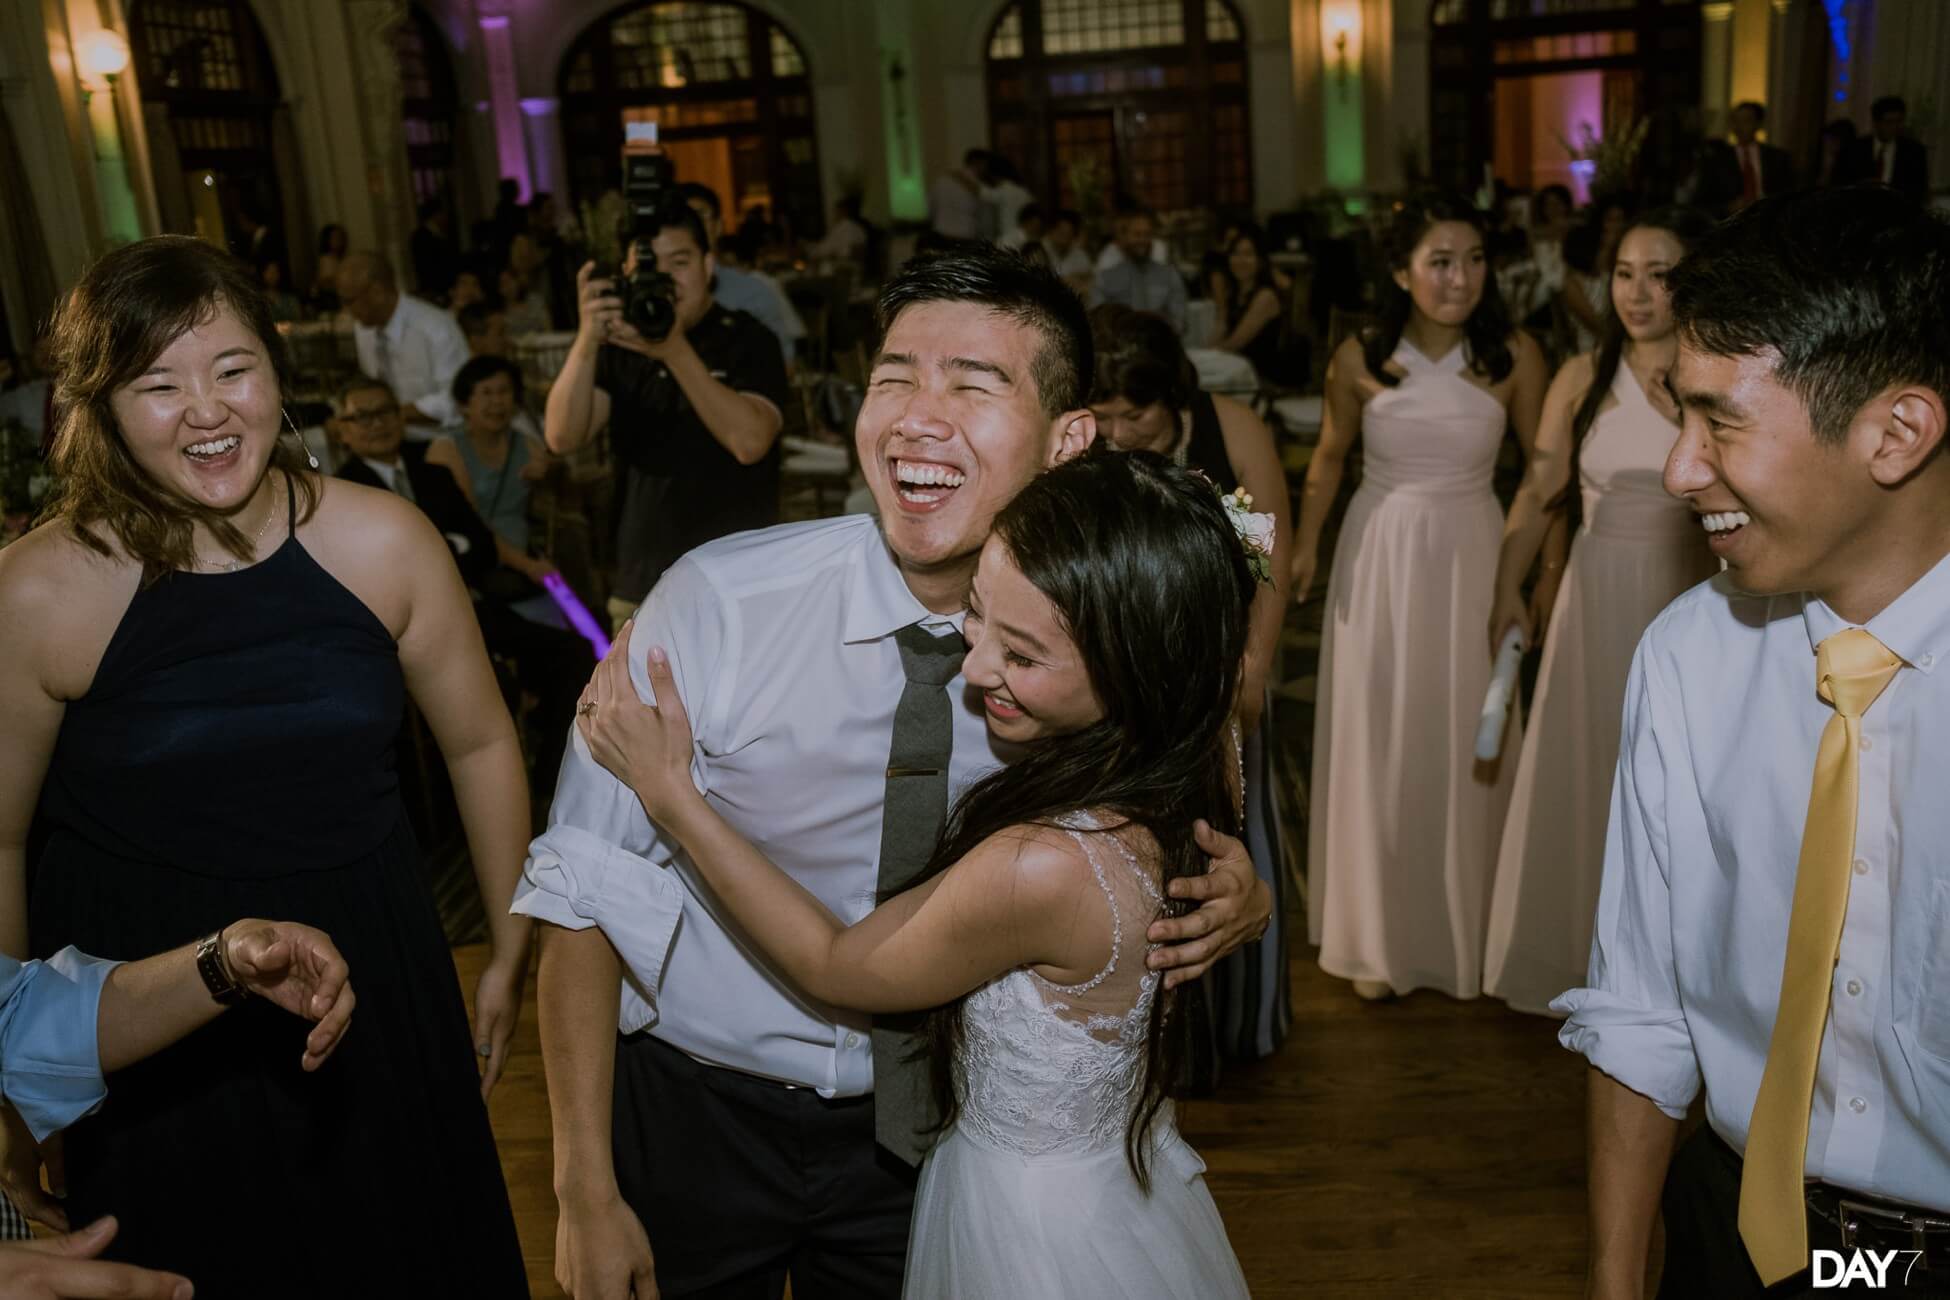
907,188
120,222
1341,125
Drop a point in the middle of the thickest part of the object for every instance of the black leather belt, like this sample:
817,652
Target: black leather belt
1869,1223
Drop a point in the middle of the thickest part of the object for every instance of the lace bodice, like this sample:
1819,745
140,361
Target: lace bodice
1053,1070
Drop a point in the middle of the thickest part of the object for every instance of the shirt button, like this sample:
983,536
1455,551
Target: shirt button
1861,867
1857,1105
1926,661
1854,988
1867,744
853,1040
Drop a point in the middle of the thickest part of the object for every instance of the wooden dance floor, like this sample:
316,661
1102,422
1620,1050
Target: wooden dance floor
1417,1148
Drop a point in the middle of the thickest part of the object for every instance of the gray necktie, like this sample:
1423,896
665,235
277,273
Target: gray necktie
917,807
403,484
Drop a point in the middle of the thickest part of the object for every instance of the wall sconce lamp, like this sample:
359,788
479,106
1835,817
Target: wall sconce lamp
102,55
1340,31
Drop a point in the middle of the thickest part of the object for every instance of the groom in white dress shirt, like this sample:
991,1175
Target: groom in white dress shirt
1765,931
701,1105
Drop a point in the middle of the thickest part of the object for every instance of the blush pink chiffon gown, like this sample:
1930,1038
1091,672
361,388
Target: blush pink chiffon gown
1404,824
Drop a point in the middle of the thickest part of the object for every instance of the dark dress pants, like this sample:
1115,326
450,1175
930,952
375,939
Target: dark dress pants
740,1181
1705,1259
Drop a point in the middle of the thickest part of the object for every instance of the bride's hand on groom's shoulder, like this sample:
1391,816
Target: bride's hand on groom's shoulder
645,746
1234,907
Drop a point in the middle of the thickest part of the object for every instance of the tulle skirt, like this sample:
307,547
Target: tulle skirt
992,1225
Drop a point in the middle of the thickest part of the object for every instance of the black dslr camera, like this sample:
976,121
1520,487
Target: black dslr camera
649,296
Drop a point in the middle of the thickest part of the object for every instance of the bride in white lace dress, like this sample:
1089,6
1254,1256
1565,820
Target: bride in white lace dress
1106,629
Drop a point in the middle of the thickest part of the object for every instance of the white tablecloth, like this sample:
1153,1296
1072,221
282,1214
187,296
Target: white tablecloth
1201,323
1224,372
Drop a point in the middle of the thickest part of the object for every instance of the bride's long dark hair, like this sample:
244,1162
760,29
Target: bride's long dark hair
1152,584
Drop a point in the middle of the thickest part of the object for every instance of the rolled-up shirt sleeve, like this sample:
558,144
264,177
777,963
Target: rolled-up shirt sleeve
50,1058
1628,1022
602,861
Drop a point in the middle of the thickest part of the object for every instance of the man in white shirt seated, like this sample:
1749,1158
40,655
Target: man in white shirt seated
1782,942
411,344
702,1106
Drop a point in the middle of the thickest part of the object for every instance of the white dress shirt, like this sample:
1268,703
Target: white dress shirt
781,643
1721,726
1111,254
423,349
1074,262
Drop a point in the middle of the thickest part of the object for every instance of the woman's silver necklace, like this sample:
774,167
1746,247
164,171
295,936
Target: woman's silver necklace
231,566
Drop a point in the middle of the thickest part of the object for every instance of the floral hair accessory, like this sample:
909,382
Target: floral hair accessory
1255,532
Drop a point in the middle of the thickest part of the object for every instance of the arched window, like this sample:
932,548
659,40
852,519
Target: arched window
211,105
728,89
430,107
1146,98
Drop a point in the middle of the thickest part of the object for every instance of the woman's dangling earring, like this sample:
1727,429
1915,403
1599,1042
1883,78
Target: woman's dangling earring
310,459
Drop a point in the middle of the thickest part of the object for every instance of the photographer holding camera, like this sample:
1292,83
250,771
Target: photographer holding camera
692,390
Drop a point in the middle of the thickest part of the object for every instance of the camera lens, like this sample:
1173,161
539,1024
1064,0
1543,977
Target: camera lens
652,308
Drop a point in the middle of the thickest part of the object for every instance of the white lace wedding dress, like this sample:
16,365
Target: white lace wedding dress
1029,1195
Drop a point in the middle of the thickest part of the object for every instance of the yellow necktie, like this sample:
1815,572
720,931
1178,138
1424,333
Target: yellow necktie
1851,668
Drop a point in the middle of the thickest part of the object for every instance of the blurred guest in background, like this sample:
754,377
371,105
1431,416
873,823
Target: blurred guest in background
739,288
1030,222
845,240
1003,199
955,198
260,241
1250,313
1137,281
1764,169
436,253
333,245
284,304
1889,155
486,328
408,342
1833,164
524,308
467,290
1067,255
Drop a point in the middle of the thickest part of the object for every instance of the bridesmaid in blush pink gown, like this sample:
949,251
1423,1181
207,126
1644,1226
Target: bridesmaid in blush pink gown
1607,419
1404,822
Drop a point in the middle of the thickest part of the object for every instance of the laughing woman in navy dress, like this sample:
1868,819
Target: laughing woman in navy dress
208,650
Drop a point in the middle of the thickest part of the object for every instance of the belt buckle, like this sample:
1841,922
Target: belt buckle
1851,1212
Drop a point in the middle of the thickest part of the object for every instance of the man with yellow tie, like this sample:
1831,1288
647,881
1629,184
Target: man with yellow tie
1774,922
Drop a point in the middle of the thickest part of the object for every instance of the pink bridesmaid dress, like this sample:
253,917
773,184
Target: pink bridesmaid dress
1637,549
1404,824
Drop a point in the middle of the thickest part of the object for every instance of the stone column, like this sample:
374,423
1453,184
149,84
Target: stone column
504,92
371,25
542,129
1716,66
